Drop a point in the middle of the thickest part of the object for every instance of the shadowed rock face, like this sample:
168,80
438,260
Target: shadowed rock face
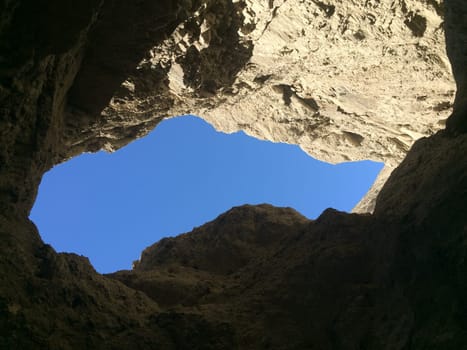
98,74
456,39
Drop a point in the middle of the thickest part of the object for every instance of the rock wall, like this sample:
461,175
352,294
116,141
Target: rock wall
345,80
338,79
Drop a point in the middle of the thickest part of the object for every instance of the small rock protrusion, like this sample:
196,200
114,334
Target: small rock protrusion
262,78
442,106
416,23
359,35
329,10
286,91
354,138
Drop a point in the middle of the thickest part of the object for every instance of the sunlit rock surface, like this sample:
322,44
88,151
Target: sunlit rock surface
345,80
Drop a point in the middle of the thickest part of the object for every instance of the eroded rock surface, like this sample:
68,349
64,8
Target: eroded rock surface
98,74
338,79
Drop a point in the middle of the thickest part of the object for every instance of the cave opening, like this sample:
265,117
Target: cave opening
109,207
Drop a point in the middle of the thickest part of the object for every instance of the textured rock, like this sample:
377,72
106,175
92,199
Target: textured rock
98,74
338,79
456,34
338,282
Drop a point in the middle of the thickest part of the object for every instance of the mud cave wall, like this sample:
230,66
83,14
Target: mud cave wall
98,74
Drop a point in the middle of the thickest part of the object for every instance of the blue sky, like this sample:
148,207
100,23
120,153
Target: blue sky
109,207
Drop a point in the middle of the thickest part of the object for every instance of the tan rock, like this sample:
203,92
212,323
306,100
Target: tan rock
344,81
